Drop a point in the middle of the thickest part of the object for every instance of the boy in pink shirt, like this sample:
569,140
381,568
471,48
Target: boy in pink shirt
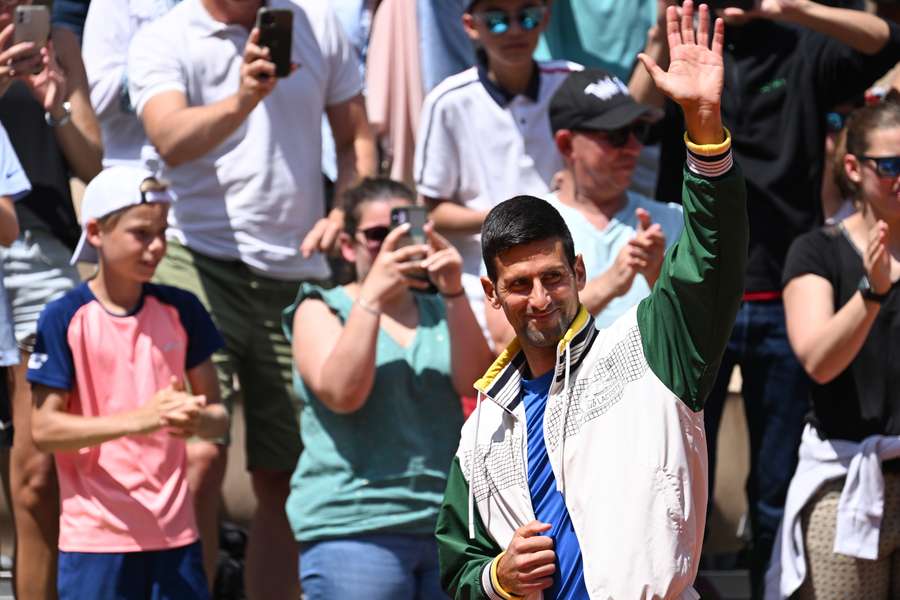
108,374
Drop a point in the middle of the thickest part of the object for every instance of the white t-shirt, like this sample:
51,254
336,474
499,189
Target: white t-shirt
599,248
477,148
108,29
255,196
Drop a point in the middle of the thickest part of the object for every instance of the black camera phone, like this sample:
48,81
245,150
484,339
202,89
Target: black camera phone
275,33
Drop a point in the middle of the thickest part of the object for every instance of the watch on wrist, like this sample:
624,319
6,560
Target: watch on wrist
67,116
865,289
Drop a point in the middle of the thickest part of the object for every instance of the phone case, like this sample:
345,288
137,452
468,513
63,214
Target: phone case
275,33
31,24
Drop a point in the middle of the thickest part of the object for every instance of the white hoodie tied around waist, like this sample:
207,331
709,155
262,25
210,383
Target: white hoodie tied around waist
860,508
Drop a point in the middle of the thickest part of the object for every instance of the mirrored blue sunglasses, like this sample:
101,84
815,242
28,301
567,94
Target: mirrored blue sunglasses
498,21
886,166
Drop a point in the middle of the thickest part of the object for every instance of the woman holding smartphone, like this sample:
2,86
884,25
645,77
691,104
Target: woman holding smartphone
843,319
380,369
45,108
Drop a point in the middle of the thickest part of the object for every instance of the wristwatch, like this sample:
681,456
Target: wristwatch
865,289
67,116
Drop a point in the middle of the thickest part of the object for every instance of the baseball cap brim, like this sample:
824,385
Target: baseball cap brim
620,116
84,252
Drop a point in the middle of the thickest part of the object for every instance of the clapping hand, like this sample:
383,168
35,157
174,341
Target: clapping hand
877,259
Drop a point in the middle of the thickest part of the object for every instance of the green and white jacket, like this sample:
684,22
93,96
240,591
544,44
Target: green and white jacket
623,423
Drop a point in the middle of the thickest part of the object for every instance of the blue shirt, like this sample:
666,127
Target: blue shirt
599,248
549,505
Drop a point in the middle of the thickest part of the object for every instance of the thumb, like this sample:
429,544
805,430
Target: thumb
644,220
655,71
393,238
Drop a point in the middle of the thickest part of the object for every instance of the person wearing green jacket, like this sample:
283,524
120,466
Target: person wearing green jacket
582,473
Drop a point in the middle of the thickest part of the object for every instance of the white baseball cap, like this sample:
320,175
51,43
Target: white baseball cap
113,189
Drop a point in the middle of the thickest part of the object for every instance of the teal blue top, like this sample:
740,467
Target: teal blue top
606,34
382,469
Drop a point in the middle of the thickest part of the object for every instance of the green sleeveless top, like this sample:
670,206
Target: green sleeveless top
382,469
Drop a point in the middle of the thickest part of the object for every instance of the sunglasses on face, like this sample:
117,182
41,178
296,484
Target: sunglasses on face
887,167
618,138
498,21
375,234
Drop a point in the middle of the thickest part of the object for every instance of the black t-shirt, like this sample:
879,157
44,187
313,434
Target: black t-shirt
865,399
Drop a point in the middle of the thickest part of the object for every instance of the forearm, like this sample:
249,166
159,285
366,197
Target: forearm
213,422
9,223
687,319
641,85
470,355
355,161
858,29
452,217
599,292
79,140
59,431
353,353
828,351
188,133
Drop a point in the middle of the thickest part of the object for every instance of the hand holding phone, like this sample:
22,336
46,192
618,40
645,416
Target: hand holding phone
31,24
416,217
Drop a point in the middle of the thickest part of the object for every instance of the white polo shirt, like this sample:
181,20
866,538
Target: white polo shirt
255,196
477,146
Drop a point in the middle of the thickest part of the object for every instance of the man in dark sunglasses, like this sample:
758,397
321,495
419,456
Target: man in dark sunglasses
622,235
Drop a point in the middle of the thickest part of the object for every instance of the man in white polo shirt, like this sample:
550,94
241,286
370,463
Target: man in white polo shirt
484,135
242,152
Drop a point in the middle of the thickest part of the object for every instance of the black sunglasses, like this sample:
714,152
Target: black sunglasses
618,138
375,234
498,21
887,167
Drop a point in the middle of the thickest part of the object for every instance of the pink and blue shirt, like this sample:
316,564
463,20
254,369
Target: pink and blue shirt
128,494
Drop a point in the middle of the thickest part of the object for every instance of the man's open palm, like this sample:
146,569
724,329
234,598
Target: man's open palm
696,72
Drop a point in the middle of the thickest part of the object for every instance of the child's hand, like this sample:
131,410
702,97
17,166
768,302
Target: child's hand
185,421
168,403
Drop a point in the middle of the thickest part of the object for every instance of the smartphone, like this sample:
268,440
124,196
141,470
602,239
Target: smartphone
31,24
276,26
416,216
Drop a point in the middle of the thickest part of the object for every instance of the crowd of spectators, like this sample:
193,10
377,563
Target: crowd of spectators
354,387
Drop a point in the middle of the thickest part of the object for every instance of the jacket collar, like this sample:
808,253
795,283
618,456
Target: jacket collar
502,382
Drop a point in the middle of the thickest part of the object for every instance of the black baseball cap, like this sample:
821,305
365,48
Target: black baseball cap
594,100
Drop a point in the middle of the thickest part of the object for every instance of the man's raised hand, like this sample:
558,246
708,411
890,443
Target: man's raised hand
696,72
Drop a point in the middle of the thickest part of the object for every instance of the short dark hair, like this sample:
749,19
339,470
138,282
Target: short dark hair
862,122
522,220
368,190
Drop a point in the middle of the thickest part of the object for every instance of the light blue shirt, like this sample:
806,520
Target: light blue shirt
606,34
599,248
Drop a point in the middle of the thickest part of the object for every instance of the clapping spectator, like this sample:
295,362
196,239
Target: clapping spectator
378,445
620,235
55,134
843,318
